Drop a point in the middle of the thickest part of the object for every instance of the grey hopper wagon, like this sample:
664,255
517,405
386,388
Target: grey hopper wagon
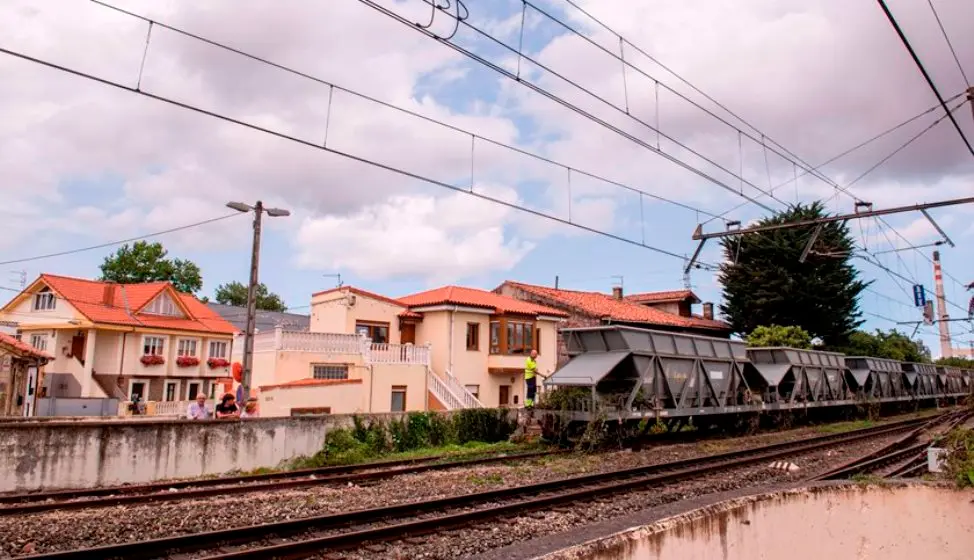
796,376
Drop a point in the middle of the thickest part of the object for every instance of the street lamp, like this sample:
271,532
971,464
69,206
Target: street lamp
248,354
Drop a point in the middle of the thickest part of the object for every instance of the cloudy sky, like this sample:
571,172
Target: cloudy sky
86,163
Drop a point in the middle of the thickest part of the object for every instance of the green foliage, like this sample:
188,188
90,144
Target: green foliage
421,433
148,262
777,335
959,463
564,398
235,293
893,345
963,363
765,284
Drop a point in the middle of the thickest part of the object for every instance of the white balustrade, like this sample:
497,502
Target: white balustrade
442,392
466,397
385,353
327,343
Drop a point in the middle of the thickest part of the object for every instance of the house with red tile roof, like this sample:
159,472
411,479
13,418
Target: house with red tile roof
667,311
451,347
21,372
115,340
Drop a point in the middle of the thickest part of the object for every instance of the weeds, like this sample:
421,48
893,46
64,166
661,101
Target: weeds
959,463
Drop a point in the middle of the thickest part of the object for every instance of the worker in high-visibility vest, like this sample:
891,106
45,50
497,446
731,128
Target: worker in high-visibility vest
530,377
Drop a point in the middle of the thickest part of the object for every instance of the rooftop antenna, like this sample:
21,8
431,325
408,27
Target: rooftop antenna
338,276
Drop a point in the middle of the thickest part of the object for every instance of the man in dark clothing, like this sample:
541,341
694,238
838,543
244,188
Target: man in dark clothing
227,407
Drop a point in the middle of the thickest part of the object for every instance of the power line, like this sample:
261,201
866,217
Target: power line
949,44
360,159
586,114
119,242
923,70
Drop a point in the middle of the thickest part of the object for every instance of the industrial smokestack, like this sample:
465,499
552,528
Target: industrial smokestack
942,316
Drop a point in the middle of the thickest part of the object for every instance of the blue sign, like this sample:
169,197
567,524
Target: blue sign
919,295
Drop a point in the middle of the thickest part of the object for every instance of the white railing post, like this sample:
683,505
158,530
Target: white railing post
278,338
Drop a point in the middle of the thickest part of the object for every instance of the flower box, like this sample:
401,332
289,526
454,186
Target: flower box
187,361
152,360
215,363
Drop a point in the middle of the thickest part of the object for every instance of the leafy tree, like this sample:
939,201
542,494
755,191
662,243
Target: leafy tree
235,293
776,335
148,262
892,344
765,284
963,363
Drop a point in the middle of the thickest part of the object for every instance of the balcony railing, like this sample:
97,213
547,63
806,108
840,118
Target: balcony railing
280,340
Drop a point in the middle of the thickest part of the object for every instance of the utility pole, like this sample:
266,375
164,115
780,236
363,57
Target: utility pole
945,347
248,353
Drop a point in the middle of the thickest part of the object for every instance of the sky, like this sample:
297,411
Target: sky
403,161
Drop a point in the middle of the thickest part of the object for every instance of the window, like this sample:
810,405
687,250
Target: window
376,332
172,389
138,388
398,398
39,341
186,347
163,305
218,349
512,336
330,371
153,345
473,390
473,336
193,389
44,300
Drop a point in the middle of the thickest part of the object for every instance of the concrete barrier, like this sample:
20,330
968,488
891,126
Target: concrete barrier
58,454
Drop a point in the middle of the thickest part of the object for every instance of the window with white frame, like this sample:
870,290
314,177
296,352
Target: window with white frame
218,349
163,305
153,346
171,392
44,300
186,347
39,341
330,371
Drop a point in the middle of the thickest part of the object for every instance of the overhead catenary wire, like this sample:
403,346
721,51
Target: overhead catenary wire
353,157
119,242
923,70
950,45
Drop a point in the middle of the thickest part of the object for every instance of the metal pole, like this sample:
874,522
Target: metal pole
248,357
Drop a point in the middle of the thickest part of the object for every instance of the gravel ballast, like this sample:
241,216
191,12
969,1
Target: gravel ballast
72,529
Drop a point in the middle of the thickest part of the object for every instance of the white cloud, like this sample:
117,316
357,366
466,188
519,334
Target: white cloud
438,239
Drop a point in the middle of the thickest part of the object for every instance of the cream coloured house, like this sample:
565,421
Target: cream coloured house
119,340
448,348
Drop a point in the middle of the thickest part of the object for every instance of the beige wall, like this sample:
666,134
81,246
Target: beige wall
329,313
24,313
372,394
273,368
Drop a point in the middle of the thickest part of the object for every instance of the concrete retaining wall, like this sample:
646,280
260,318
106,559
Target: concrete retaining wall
69,454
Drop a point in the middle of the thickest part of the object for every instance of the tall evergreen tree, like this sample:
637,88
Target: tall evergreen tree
765,284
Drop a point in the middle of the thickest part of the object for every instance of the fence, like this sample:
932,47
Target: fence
53,406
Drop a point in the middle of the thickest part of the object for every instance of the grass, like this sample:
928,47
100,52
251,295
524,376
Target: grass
446,453
842,427
869,480
492,478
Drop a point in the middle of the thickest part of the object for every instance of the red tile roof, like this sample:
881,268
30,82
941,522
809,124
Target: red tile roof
22,348
471,297
601,305
661,297
361,292
88,297
311,383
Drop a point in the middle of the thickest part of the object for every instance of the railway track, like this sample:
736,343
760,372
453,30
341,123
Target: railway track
902,456
33,502
304,537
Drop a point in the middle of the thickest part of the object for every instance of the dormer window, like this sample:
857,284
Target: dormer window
163,305
44,300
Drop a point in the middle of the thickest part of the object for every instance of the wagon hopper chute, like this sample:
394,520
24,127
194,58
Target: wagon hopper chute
795,376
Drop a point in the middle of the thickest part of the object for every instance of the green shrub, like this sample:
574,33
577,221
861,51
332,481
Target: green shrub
564,398
488,425
441,430
959,463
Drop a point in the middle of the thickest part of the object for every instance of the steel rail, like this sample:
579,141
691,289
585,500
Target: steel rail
532,496
161,492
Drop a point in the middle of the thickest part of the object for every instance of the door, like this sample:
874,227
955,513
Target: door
139,388
407,333
31,389
192,389
505,395
78,348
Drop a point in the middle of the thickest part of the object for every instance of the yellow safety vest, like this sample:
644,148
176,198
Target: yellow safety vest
530,368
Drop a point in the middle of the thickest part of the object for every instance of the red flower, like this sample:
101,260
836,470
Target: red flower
152,360
217,363
187,361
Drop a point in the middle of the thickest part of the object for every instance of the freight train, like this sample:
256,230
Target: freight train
630,373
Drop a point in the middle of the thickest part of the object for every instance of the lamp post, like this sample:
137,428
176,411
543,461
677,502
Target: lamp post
248,357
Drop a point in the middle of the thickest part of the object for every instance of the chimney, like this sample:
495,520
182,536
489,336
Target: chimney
708,311
108,297
938,281
617,292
